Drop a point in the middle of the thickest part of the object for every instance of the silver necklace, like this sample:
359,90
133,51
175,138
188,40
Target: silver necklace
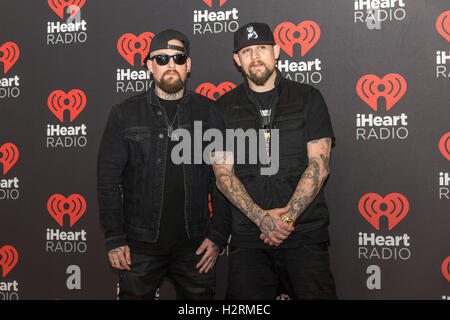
170,127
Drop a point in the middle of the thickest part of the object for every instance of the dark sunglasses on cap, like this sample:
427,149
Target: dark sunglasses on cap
163,59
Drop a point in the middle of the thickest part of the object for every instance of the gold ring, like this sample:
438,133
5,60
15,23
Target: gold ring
286,219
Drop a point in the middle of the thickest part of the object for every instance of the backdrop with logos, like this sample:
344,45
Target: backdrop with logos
383,67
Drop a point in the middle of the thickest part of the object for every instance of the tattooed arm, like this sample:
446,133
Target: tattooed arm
311,180
228,183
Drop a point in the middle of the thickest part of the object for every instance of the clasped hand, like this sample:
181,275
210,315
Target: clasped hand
274,230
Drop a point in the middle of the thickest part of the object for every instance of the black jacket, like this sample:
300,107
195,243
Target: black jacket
131,164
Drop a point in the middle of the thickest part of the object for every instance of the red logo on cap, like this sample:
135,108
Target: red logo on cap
59,5
443,24
444,145
9,55
306,33
8,259
74,101
209,2
394,206
74,206
209,90
128,45
446,269
9,154
392,87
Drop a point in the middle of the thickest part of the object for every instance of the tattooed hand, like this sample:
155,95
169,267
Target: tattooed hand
211,251
274,230
120,258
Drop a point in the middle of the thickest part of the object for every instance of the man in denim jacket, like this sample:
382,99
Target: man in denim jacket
154,210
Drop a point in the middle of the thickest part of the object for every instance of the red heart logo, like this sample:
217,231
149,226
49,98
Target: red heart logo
395,207
209,2
59,5
392,87
446,269
9,55
126,45
443,25
74,101
74,206
9,258
444,145
209,90
9,156
306,33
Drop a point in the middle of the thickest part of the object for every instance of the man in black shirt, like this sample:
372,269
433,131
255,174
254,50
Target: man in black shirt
154,211
279,221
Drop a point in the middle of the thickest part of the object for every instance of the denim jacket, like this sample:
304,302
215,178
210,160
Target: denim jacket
131,168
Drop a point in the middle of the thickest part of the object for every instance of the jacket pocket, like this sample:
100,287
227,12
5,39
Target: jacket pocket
138,139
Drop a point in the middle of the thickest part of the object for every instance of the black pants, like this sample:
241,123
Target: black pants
147,272
262,274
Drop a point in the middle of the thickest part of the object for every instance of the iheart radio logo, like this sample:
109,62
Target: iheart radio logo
209,90
59,5
58,101
9,54
8,259
209,2
74,206
446,269
306,33
444,145
443,25
394,206
392,87
128,45
9,154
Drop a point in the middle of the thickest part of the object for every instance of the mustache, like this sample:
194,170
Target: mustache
257,62
169,71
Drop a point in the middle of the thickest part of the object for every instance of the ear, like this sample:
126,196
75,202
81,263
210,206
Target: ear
188,65
237,59
276,51
149,66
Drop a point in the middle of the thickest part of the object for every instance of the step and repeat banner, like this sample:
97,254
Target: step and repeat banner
383,67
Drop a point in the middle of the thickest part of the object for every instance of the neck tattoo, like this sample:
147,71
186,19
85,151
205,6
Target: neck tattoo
168,96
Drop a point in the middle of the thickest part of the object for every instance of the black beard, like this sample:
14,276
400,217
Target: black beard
170,87
262,79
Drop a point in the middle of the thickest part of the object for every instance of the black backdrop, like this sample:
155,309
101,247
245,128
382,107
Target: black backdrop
383,71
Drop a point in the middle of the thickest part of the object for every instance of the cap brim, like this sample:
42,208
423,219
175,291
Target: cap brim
252,43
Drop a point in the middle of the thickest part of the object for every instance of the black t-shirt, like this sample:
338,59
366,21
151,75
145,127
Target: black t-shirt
265,98
318,123
172,231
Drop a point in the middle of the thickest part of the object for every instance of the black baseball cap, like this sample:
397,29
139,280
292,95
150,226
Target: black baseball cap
251,34
161,41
